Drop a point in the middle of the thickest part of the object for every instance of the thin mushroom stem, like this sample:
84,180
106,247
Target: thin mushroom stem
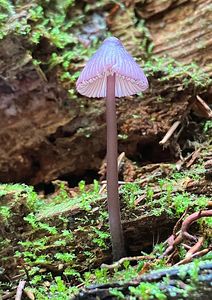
112,172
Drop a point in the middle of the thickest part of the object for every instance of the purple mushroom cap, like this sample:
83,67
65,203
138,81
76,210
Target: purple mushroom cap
111,58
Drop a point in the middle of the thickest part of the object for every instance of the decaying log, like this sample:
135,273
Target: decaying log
142,229
202,284
140,233
67,138
192,19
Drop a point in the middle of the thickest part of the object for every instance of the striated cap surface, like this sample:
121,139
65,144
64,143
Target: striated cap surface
111,58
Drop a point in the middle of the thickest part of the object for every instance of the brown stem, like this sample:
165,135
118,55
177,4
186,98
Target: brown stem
172,242
169,133
195,248
183,234
20,289
190,219
190,258
112,172
129,258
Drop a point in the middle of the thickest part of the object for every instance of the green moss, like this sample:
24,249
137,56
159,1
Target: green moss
57,290
167,68
147,291
130,192
21,191
118,294
58,245
5,213
63,202
207,127
170,190
6,10
60,22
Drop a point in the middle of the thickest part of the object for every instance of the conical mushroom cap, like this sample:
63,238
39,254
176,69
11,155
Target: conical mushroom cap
111,58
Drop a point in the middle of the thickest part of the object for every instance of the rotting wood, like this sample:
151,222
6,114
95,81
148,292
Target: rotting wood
192,41
118,263
182,235
169,133
102,291
139,234
201,108
54,143
20,288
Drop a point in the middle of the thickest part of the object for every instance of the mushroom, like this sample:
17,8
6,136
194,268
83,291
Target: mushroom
112,72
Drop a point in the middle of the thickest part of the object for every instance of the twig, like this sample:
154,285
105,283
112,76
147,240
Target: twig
172,244
177,123
175,239
203,108
103,171
172,256
178,222
189,259
195,248
103,182
169,132
194,156
20,289
8,295
190,219
120,158
103,187
201,253
123,259
186,246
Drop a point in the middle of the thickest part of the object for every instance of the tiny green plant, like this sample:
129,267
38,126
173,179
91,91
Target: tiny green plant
172,69
207,126
101,237
130,192
147,291
118,294
65,257
5,213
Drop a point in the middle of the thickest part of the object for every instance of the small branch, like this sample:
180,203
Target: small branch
172,256
123,259
8,295
178,222
195,248
169,132
190,219
20,289
190,258
201,253
202,108
194,156
103,187
120,159
172,243
177,123
103,182
103,168
175,239
186,246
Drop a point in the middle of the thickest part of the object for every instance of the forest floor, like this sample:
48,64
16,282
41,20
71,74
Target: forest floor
54,234
58,244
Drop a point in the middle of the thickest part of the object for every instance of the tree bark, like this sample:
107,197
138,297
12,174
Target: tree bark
44,136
